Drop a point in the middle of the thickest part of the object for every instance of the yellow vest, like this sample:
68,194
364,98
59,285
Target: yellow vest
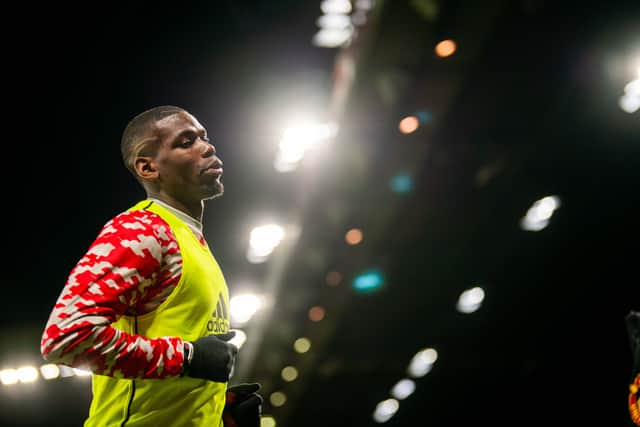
198,306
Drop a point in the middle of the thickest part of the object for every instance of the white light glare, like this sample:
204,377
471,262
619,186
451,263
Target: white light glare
8,376
333,21
538,215
81,372
66,371
49,371
239,339
403,389
335,6
243,307
296,140
422,362
263,240
385,410
630,101
629,104
470,300
27,374
308,134
633,87
332,37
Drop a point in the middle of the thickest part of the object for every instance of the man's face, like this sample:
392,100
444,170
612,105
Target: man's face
188,168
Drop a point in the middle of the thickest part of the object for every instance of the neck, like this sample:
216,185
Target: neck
193,209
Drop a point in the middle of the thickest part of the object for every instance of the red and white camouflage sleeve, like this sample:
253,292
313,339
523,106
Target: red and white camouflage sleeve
123,268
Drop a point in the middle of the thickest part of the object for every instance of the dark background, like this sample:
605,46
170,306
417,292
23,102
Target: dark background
526,108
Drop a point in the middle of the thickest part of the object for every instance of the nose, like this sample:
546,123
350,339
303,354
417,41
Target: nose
209,150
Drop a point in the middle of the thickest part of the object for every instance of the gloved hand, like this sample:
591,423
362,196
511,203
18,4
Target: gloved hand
213,358
243,406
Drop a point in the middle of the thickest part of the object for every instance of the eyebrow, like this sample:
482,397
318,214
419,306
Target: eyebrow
189,132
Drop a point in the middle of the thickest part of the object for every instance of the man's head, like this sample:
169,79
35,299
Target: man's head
169,153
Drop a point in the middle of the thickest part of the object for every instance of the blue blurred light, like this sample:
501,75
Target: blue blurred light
401,183
368,281
423,116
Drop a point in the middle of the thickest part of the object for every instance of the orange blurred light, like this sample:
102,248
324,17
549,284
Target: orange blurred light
445,48
316,313
408,124
333,278
353,236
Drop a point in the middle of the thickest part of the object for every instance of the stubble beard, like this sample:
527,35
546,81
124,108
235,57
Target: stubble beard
217,191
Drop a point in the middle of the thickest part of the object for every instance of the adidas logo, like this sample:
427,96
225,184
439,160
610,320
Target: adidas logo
219,322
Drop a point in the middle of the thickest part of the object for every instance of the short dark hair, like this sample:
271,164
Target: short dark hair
136,135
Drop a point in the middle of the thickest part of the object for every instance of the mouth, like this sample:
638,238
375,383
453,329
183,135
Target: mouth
213,170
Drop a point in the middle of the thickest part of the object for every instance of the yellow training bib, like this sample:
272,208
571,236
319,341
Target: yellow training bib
198,306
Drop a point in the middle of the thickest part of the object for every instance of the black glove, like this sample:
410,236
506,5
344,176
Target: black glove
213,358
243,406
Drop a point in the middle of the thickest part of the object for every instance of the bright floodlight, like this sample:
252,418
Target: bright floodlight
629,104
49,371
296,140
334,21
239,339
81,372
538,215
385,410
335,6
8,376
307,134
66,371
332,37
470,300
403,389
633,87
630,101
263,240
243,307
27,374
422,362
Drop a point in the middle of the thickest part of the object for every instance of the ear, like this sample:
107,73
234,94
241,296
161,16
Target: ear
145,168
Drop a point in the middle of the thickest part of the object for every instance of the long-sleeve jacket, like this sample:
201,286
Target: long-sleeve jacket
130,268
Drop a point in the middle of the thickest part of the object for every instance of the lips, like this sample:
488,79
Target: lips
213,169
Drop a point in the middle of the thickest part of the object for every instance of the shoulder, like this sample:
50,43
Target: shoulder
138,222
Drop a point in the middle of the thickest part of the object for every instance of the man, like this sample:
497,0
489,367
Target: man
146,308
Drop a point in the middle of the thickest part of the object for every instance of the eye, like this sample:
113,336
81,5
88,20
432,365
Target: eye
188,142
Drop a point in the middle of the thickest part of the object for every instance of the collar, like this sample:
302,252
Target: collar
193,223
